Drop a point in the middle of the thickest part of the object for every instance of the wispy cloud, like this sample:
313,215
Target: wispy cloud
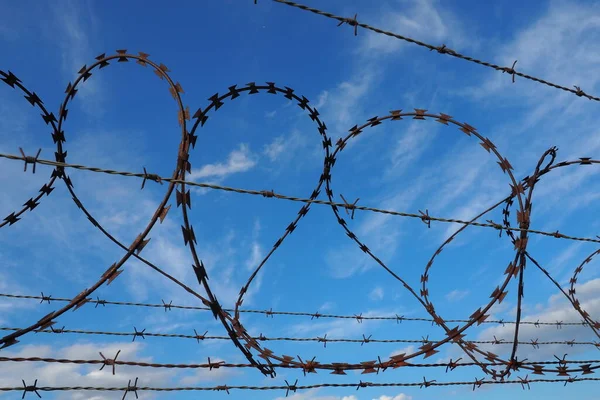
456,295
70,29
556,309
285,145
423,19
376,294
400,396
85,375
239,160
312,395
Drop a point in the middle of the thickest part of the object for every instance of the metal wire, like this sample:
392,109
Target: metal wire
271,313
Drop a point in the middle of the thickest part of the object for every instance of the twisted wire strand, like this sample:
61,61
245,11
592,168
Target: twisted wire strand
317,315
223,364
324,340
440,49
293,388
272,194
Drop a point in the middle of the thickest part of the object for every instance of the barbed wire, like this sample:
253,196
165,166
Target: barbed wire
213,365
250,346
524,382
271,194
439,49
270,313
261,338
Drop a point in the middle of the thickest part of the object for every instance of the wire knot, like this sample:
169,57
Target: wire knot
268,193
579,92
366,339
315,315
33,388
152,177
525,381
45,298
61,330
510,71
130,388
362,384
309,366
349,206
291,388
109,361
451,365
323,340
30,159
200,337
167,306
535,344
103,302
477,383
426,218
496,226
223,387
216,365
570,380
352,22
425,383
442,49
140,333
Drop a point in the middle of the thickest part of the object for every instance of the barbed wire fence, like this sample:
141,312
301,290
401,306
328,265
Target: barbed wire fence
498,370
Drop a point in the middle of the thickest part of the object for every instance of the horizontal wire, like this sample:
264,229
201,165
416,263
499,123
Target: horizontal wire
223,364
396,318
270,193
324,340
521,381
440,49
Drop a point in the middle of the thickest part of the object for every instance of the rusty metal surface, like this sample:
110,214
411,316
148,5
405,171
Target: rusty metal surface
517,204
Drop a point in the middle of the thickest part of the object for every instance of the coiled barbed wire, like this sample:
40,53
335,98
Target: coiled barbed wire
521,191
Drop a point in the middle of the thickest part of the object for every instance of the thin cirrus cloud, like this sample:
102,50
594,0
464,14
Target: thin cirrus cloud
239,160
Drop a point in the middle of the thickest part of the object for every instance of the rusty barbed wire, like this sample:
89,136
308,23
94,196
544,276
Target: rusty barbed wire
223,364
140,242
293,388
262,338
397,318
250,346
439,49
350,207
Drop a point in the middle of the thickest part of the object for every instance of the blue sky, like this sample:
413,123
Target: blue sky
124,118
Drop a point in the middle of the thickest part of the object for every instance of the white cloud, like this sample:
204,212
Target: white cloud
239,160
285,145
456,295
343,105
547,47
52,374
556,309
322,99
405,350
72,23
421,19
311,395
376,294
401,396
